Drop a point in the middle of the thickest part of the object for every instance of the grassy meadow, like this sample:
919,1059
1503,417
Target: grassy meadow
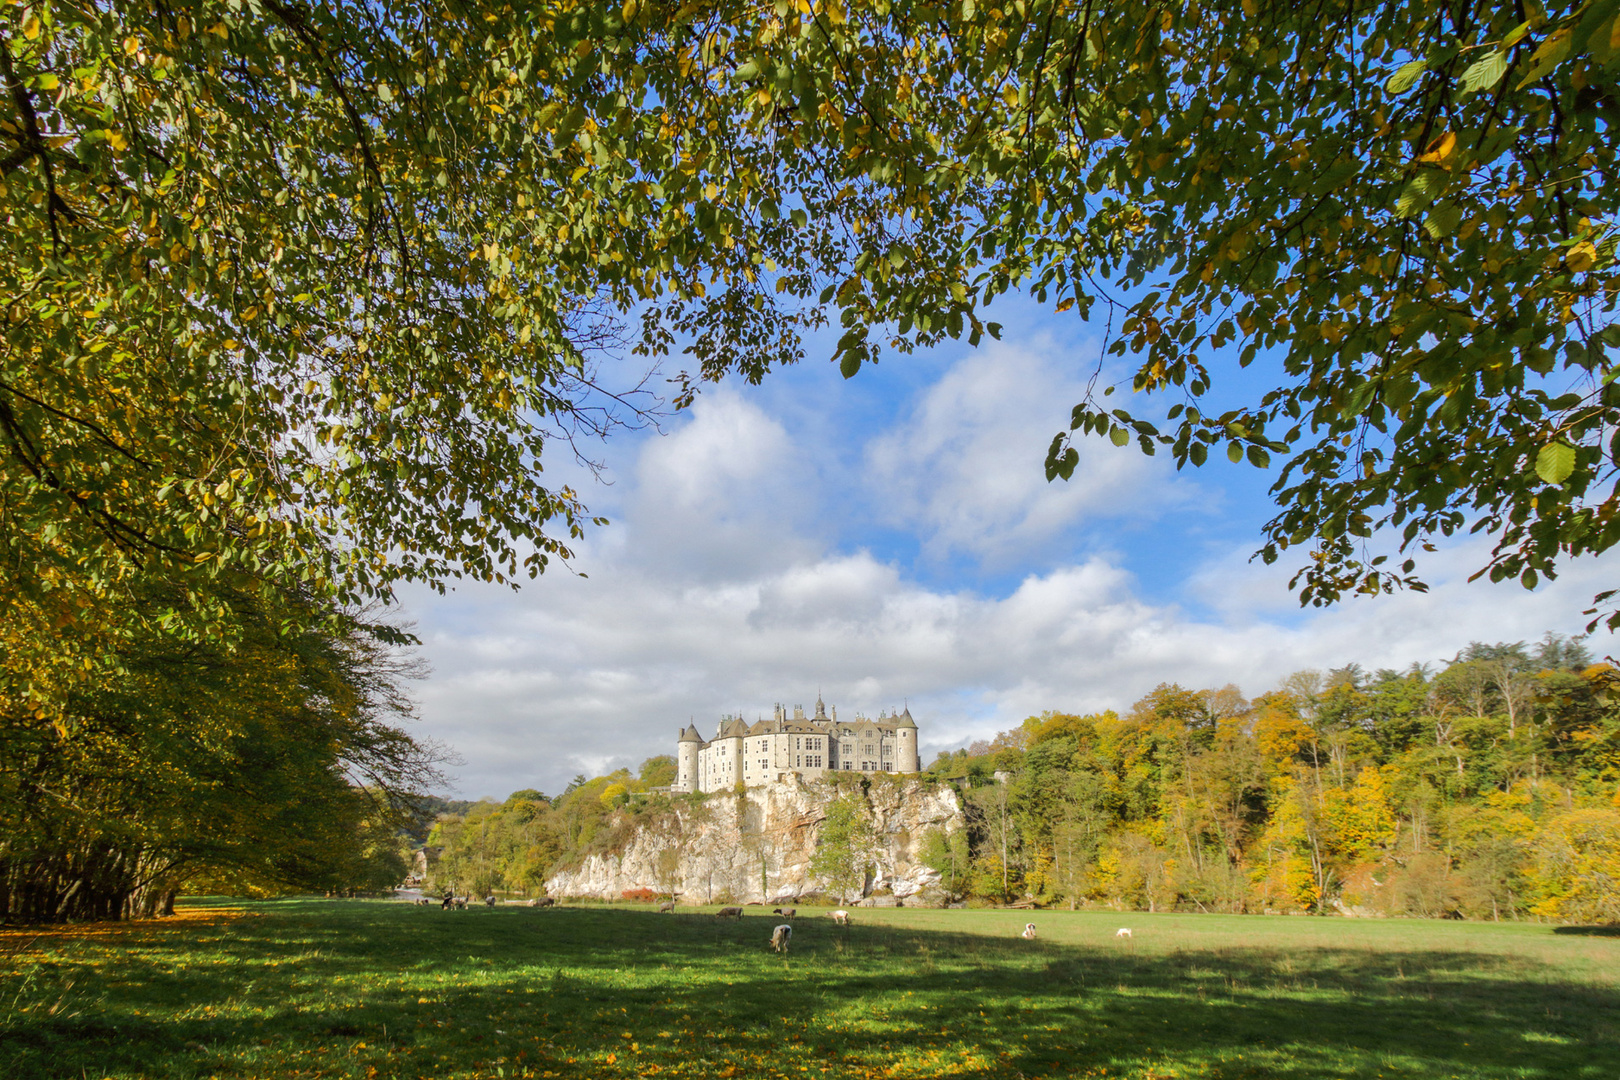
331,988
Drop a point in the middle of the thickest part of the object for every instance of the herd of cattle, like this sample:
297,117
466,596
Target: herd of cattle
779,936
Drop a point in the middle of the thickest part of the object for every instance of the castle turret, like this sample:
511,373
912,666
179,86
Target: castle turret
821,709
906,758
686,759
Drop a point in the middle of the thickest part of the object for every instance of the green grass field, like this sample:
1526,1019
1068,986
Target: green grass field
308,988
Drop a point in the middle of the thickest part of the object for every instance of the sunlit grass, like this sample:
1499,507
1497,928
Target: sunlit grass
306,988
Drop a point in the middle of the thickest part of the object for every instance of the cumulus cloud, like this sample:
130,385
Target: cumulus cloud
716,591
964,467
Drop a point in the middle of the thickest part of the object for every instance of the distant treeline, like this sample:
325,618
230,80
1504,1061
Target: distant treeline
513,846
1486,788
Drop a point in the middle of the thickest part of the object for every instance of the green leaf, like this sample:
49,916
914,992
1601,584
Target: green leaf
1234,452
1405,77
1120,436
1443,220
1555,461
1485,72
1259,458
1198,453
1548,55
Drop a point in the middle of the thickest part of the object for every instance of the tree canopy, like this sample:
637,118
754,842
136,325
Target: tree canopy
306,290
1406,208
311,288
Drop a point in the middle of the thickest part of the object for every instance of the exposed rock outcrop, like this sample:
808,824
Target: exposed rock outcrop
756,845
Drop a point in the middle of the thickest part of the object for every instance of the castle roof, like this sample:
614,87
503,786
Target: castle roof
904,719
690,734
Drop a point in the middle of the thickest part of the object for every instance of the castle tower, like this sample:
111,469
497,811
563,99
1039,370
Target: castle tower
733,732
821,709
686,759
906,758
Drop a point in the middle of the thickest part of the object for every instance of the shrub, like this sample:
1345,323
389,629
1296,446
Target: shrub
642,896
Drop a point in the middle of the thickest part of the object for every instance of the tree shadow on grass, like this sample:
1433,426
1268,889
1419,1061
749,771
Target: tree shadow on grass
1609,930
341,989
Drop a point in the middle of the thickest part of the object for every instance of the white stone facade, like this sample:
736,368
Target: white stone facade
809,747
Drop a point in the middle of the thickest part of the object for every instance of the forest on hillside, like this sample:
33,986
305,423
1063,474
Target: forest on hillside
1487,787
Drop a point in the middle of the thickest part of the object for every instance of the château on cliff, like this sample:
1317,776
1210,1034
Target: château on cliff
811,747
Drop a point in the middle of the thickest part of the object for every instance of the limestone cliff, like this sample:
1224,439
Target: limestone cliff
756,845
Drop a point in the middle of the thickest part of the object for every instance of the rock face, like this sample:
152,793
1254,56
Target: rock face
757,845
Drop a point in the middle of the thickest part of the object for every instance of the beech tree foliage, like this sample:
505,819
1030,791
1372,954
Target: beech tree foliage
310,288
1407,207
307,289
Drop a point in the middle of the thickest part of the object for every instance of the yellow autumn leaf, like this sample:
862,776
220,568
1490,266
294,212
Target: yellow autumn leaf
1581,258
1440,149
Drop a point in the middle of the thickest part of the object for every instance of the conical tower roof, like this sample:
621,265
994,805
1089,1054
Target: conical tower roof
904,719
690,734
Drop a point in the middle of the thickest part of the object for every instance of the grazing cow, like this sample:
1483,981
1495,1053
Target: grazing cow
447,900
1029,932
780,937
785,912
666,906
729,913
489,901
841,917
544,901
1123,931
459,902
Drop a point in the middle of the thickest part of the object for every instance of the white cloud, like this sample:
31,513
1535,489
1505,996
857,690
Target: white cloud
965,468
570,675
715,592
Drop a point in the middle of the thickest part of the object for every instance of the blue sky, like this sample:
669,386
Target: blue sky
891,539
